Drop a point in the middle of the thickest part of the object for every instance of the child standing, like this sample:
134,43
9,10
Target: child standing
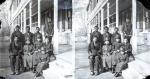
43,63
122,62
49,47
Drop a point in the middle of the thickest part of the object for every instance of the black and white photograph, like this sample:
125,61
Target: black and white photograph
74,39
36,39
111,39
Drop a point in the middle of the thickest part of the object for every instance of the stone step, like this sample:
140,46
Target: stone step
143,57
140,66
131,74
62,67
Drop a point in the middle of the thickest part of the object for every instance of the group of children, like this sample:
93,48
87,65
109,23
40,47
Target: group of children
36,57
109,56
29,52
115,57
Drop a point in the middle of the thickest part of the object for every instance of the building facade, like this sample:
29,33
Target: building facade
115,13
43,14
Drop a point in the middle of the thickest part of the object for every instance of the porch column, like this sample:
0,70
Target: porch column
102,20
134,30
66,19
99,19
24,18
55,38
39,13
30,10
60,21
117,14
21,21
107,14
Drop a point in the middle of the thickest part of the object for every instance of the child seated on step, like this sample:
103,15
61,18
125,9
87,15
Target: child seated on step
49,47
43,63
37,46
128,49
27,57
106,58
122,62
116,46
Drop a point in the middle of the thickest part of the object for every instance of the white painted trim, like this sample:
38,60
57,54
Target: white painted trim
39,13
20,7
55,38
134,35
98,7
117,13
107,14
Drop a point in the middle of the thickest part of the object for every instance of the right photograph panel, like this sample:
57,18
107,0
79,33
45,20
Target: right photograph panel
111,39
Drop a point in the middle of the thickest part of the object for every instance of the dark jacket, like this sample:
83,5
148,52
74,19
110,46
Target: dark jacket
48,47
107,36
44,57
127,48
116,46
114,36
16,50
107,49
38,35
19,35
98,35
30,36
95,50
28,49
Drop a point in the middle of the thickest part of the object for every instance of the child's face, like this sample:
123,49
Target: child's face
94,39
106,42
38,39
125,40
122,51
95,28
42,50
117,40
27,42
16,39
46,40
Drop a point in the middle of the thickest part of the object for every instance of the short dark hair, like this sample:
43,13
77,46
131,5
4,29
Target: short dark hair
37,27
96,26
27,27
117,28
106,27
17,26
46,36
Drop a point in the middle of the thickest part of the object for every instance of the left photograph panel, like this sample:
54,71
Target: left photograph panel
36,39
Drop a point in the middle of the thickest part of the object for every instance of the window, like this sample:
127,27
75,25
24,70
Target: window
99,19
22,21
143,18
27,15
112,15
34,13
